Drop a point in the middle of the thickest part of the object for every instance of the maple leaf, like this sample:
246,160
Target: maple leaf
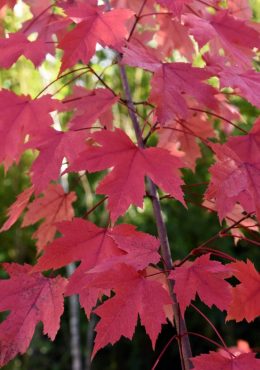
46,26
176,6
173,35
135,294
236,175
80,282
37,7
235,217
244,361
247,83
133,5
21,116
99,250
247,146
172,83
138,55
84,241
89,105
53,206
17,44
182,137
54,146
246,296
93,25
16,209
221,29
124,185
30,298
141,249
204,277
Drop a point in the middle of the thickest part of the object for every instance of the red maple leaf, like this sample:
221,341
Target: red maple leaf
16,209
124,185
182,136
89,105
204,277
221,29
141,249
54,146
236,174
37,7
31,298
93,25
247,83
84,241
246,296
173,35
244,361
99,250
53,206
175,6
135,294
17,44
172,83
21,116
81,283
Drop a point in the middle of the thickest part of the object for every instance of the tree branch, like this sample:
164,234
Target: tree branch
184,343
185,348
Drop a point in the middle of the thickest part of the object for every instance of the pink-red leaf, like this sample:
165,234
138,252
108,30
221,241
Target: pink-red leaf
224,31
89,105
53,206
247,83
124,185
175,6
54,146
245,361
172,84
236,174
31,298
17,44
135,294
21,116
93,26
204,277
16,209
84,241
246,295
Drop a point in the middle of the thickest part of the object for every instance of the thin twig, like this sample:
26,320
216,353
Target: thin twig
211,324
163,351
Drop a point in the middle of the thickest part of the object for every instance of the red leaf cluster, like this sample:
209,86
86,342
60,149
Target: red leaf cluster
195,54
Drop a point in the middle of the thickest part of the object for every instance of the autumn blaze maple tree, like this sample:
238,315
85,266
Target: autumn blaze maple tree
198,54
